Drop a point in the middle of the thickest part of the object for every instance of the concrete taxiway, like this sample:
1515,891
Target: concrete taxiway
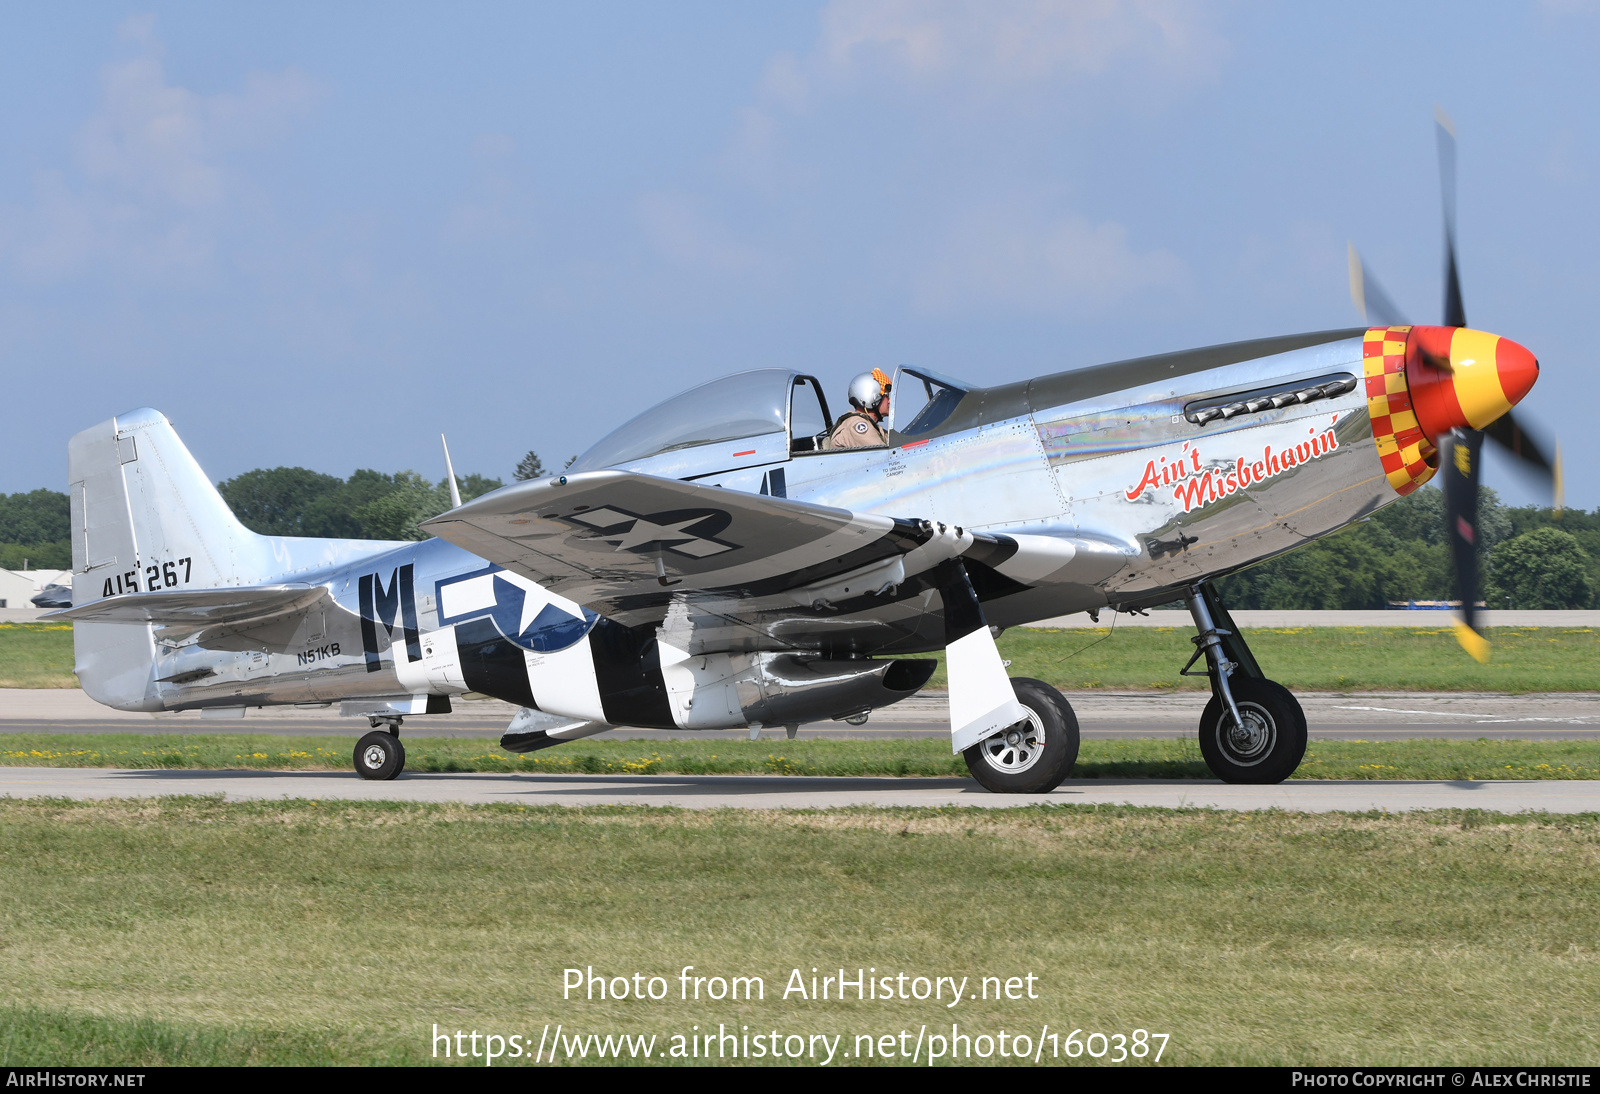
781,792
1101,714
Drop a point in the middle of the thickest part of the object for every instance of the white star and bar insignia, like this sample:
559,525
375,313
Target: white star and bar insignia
643,531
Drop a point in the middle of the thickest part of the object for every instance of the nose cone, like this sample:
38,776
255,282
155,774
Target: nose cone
1463,377
1517,369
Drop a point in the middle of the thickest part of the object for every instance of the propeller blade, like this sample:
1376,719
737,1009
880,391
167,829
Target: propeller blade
1370,300
1455,312
1558,483
1458,464
1505,431
1508,433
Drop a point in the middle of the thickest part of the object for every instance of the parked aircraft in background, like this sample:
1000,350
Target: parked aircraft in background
53,596
714,564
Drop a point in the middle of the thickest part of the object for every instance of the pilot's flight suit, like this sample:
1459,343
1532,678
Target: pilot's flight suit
856,430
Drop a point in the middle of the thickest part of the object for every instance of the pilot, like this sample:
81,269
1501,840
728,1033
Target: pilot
861,427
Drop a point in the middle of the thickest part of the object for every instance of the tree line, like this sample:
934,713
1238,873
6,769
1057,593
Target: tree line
295,501
1532,557
36,527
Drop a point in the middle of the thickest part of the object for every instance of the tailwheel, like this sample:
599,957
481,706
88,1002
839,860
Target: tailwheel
1033,756
380,755
1267,747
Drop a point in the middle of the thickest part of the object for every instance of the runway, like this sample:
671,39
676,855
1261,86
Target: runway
1101,714
784,792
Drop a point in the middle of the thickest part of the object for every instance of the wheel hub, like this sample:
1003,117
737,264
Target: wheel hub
1251,742
1016,748
374,756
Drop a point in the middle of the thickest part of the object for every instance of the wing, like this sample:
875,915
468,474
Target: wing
735,570
722,569
615,535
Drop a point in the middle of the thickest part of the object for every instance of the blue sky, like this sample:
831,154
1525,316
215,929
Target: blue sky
322,234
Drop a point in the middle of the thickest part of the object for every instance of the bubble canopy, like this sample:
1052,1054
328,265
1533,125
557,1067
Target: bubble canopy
749,404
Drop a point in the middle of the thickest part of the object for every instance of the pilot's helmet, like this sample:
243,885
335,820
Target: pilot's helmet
869,389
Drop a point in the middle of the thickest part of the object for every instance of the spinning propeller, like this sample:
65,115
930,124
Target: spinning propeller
1462,384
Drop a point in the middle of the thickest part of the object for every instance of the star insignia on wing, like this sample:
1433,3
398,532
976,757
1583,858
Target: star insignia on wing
631,532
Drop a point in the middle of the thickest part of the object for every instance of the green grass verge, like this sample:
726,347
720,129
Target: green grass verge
193,931
1312,658
29,1035
1420,758
1315,658
36,655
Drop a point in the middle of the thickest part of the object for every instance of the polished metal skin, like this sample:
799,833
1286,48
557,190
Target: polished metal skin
712,565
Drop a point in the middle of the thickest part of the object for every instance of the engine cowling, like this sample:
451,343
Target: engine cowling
1422,382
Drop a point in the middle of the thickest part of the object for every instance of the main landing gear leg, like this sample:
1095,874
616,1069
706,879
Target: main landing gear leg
1253,730
380,755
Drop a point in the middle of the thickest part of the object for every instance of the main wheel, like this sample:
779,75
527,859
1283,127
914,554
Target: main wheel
1270,744
1033,756
380,755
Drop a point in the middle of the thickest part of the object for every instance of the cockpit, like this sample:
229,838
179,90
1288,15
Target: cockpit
759,417
923,400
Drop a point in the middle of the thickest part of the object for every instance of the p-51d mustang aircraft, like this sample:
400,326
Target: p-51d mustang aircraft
715,564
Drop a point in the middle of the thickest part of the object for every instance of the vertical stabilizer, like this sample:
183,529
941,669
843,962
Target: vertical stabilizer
144,518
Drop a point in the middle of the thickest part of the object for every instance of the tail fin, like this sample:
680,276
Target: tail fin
145,517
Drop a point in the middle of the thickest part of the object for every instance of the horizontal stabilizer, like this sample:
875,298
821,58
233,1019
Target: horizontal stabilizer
196,608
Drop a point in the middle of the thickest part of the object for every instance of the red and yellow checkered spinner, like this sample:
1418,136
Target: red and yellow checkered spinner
1423,382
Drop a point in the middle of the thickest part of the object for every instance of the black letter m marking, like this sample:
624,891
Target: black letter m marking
379,605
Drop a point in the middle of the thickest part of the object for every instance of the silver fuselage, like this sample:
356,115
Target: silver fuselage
1107,459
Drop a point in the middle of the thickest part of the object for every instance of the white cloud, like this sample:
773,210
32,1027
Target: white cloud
953,56
956,106
1014,258
991,45
685,236
498,210
151,177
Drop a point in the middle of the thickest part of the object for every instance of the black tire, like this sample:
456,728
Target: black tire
1274,741
379,756
1031,757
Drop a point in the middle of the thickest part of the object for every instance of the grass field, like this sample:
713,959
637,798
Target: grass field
1315,658
191,931
36,655
1421,758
